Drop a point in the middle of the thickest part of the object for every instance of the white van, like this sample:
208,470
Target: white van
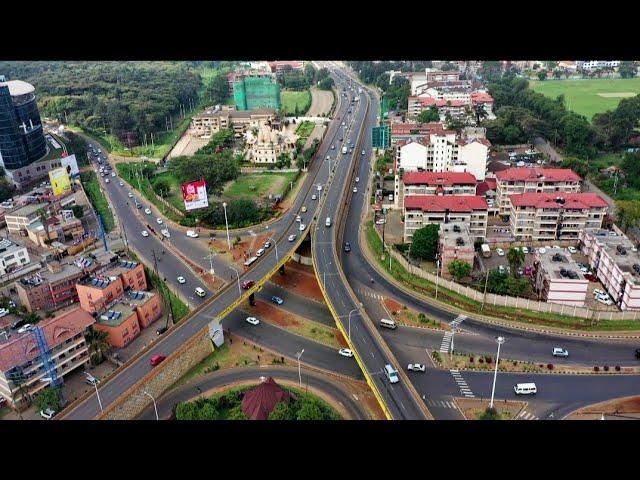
392,373
200,292
327,222
385,322
525,389
192,234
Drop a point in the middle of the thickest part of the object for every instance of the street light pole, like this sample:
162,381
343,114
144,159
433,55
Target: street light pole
224,205
238,277
500,341
275,244
155,407
484,295
299,356
349,334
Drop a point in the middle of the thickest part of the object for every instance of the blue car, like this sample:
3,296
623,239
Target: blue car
276,299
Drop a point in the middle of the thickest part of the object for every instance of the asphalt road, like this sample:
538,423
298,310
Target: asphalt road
329,385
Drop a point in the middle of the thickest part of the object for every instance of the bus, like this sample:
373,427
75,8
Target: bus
250,261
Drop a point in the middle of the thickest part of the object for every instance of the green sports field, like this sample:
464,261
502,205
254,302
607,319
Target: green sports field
589,97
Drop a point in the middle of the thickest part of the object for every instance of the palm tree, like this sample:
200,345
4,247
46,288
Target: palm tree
481,113
97,342
515,257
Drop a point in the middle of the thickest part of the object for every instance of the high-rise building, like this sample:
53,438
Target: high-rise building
251,93
22,139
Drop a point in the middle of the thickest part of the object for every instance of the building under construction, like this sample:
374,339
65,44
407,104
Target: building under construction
251,93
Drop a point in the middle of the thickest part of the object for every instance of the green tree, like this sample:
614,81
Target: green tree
557,73
459,269
217,91
236,413
326,83
309,411
628,213
161,186
281,412
496,282
283,161
628,69
580,166
490,414
429,115
97,345
425,242
50,397
542,75
516,258
77,211
516,287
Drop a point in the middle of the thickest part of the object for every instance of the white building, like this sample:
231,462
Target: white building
265,143
12,256
593,65
558,278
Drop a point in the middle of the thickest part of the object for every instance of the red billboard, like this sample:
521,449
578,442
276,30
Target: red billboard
194,195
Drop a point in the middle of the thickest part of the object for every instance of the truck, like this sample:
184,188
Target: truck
486,251
344,150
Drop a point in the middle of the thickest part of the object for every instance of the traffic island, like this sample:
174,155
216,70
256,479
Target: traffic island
478,409
406,316
627,408
300,279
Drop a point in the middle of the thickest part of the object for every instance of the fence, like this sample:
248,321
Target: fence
513,302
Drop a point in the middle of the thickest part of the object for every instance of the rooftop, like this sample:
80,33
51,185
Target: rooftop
444,178
559,265
26,210
456,235
237,113
453,203
558,200
538,174
620,249
115,315
120,267
18,87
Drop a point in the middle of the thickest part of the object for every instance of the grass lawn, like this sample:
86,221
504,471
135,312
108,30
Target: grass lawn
180,310
582,96
305,129
98,199
291,99
258,185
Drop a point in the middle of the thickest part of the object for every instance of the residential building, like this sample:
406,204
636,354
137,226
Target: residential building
95,293
512,181
593,65
431,183
147,305
423,210
616,263
12,256
454,243
213,120
280,66
555,216
484,99
269,142
407,131
558,278
21,357
251,93
20,218
120,322
487,189
59,228
440,76
456,108
131,273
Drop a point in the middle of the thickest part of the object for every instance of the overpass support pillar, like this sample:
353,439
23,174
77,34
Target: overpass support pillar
252,300
281,269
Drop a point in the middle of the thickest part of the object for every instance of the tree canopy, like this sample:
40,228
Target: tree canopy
216,169
425,242
459,269
429,115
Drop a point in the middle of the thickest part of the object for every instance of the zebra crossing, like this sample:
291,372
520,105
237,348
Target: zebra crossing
439,403
524,415
462,384
445,346
458,320
370,294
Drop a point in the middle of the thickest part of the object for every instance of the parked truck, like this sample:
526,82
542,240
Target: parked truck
486,251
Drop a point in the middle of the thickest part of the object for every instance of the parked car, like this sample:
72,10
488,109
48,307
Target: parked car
597,291
48,413
259,252
253,320
106,180
347,247
572,249
345,352
147,211
247,284
416,367
181,280
380,221
500,252
560,352
161,330
25,328
277,300
145,233
91,380
606,301
525,250
156,360
266,245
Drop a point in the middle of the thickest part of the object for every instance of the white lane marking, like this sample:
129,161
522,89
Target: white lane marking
461,383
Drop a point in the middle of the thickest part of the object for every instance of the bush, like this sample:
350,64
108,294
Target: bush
617,368
422,317
596,369
488,359
436,356
480,360
471,358
550,366
606,368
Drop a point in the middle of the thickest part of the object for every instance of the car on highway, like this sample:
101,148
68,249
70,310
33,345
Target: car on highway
106,180
572,249
156,360
560,352
159,221
355,189
638,353
252,320
147,211
500,252
292,237
391,373
381,221
165,233
303,209
298,218
347,247
145,233
48,413
345,352
266,245
314,197
416,367
130,195
357,179
181,280
319,188
192,234
277,300
113,174
259,252
121,184
525,389
302,227
247,284
362,152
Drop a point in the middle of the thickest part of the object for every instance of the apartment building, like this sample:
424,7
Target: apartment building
131,273
616,262
20,218
406,131
431,183
12,256
555,216
423,210
454,243
59,228
593,65
558,278
21,359
95,293
120,323
455,108
513,181
213,120
484,99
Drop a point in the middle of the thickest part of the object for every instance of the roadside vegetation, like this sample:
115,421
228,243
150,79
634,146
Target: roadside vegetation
98,199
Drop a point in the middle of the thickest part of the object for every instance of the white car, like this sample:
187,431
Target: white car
121,184
606,301
159,220
292,237
25,328
298,218
556,246
362,152
380,221
355,189
145,233
357,179
130,195
259,252
314,197
572,249
113,174
597,291
525,250
416,367
106,180
181,280
302,227
319,188
165,232
48,413
147,211
345,352
542,250
584,269
253,320
3,312
500,252
560,352
192,234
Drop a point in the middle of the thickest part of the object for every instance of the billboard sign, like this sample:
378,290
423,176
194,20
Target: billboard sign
60,181
69,162
194,195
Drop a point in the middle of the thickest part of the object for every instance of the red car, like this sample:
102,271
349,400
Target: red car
247,284
156,359
591,277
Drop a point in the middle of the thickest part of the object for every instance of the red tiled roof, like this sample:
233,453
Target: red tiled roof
550,200
497,166
260,401
430,102
23,348
423,128
481,97
491,182
291,63
547,174
436,203
444,178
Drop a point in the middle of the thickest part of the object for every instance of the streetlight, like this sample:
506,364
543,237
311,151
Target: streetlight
155,407
298,356
500,341
94,382
210,257
354,310
224,205
238,275
275,244
324,274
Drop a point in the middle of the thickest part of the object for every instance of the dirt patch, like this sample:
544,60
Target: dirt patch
270,313
341,340
300,280
472,408
408,316
618,409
